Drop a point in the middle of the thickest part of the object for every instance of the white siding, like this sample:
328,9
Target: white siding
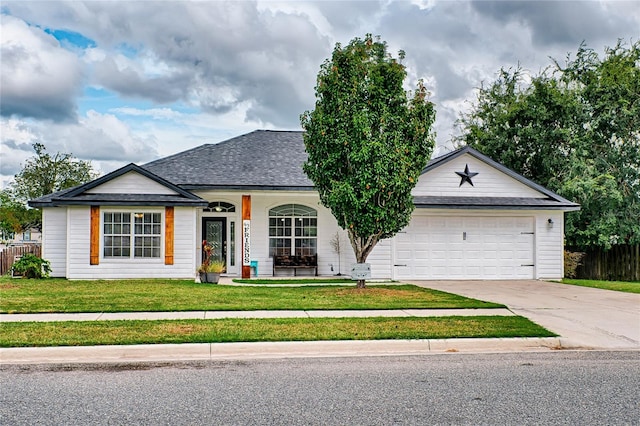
75,222
79,222
54,239
489,182
131,183
184,260
550,245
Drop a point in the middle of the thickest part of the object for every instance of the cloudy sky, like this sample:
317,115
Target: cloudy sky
130,81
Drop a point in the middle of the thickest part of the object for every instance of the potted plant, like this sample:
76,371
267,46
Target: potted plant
207,252
202,272
215,268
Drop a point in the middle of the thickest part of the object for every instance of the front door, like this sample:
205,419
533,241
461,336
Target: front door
214,230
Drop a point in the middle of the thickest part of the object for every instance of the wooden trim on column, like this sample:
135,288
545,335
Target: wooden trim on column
168,235
246,215
94,236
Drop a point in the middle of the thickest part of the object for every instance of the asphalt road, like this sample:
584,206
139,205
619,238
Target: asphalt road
564,387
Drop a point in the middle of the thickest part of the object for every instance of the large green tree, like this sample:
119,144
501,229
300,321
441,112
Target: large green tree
574,128
367,140
46,173
40,175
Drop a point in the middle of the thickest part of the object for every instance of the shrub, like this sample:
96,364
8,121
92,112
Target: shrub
32,266
571,262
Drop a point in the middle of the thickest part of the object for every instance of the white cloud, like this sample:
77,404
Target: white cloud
155,113
181,74
38,78
16,147
97,137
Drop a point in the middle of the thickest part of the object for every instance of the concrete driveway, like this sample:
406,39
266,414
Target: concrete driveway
586,317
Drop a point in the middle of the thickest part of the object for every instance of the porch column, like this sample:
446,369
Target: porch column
94,236
246,236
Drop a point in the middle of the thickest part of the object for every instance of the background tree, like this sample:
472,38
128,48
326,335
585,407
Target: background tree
576,130
45,174
41,175
367,140
16,216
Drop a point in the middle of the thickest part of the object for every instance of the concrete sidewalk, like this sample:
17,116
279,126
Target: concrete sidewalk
106,316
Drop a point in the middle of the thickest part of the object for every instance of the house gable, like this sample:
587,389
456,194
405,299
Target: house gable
489,181
131,183
128,186
467,179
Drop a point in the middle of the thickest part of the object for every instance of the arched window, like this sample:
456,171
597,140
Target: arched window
220,207
293,230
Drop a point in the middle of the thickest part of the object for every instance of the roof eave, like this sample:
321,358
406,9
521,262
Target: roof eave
59,203
191,187
494,207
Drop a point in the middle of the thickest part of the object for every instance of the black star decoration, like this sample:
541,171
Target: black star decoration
466,175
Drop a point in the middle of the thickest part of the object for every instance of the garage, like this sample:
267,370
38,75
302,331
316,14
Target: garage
466,247
475,219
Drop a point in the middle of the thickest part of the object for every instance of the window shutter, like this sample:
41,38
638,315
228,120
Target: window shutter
168,235
94,238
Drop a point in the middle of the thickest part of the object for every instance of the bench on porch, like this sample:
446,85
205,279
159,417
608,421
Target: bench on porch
295,263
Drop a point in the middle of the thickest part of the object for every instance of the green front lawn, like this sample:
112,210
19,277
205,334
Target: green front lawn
626,286
59,295
23,334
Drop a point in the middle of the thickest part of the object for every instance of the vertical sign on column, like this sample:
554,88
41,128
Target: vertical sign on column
246,236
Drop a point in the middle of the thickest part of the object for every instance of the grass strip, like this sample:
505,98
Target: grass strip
58,295
625,286
89,333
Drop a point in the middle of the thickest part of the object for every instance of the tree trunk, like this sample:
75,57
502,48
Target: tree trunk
362,247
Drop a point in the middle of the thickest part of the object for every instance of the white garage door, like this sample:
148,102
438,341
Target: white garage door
465,248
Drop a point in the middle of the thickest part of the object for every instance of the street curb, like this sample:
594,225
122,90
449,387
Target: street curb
275,350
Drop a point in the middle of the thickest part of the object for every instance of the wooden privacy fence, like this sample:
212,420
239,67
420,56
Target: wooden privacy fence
620,263
8,255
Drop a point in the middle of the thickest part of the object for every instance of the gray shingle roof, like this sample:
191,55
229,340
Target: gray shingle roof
46,200
263,159
270,160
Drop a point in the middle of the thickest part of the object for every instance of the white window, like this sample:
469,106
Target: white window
132,234
293,230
